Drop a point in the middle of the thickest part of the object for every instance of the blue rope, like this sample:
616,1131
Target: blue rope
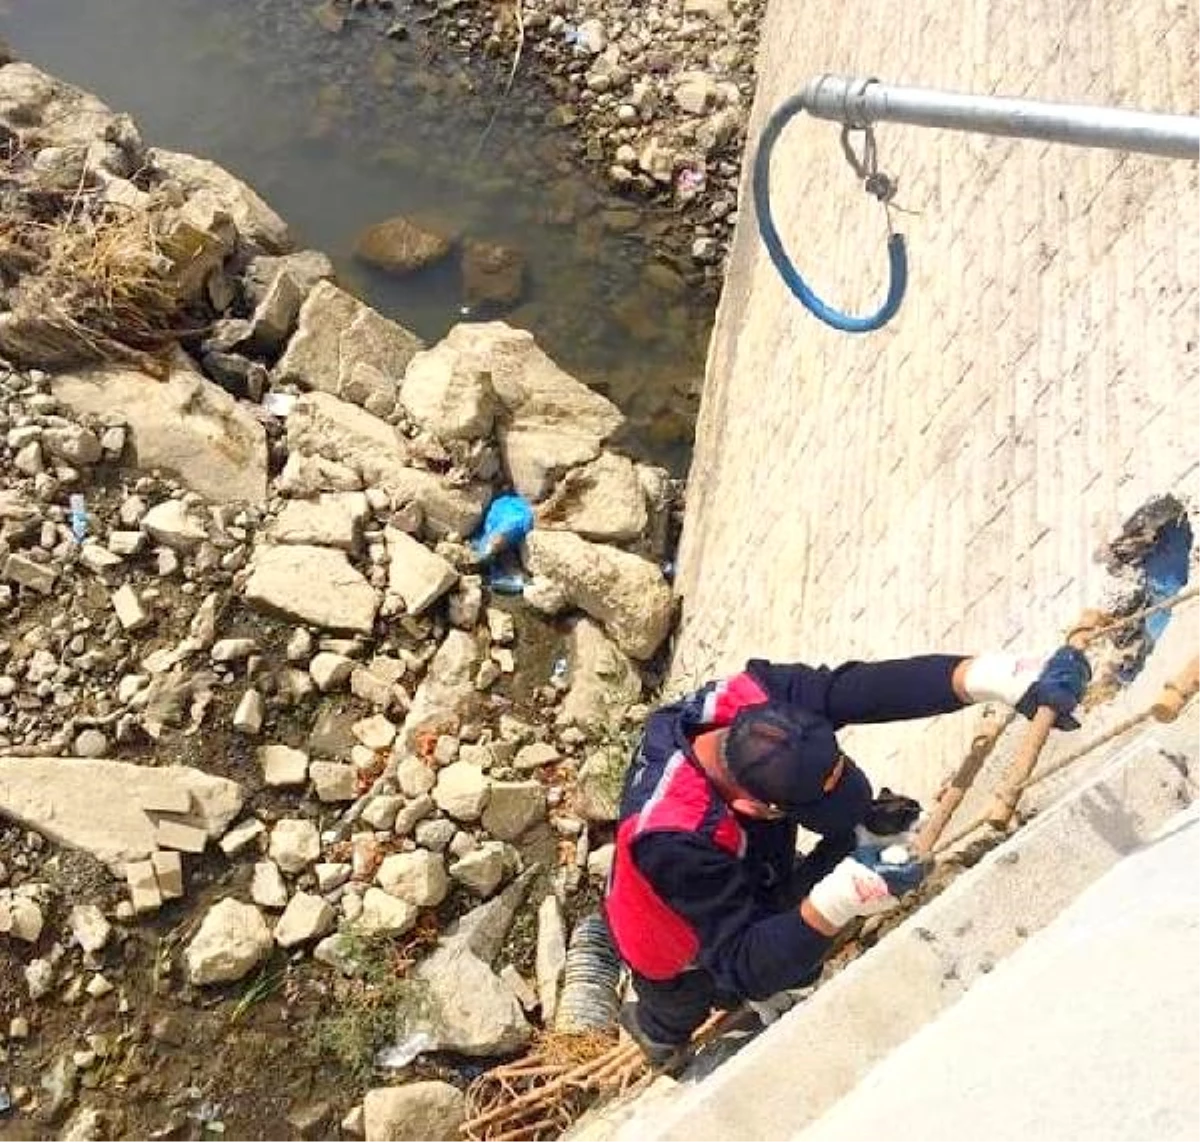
897,258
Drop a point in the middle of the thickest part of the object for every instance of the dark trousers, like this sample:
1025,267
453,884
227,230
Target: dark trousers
670,1010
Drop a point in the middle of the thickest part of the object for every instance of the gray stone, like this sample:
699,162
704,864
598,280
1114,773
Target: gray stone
415,776
241,835
417,577
383,912
512,807
492,274
447,693
232,649
534,756
416,810
58,797
462,791
315,585
73,444
25,572
333,781
418,877
233,939
90,743
295,844
306,917
248,717
330,671
175,525
551,957
321,425
602,501
481,870
267,887
624,592
435,835
335,332
598,786
417,1110
448,394
258,226
552,422
604,682
380,812
187,427
282,765
333,520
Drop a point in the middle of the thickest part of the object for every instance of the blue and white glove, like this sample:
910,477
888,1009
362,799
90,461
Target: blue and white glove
1025,683
865,884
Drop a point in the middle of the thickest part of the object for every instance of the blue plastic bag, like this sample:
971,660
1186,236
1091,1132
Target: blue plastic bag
508,521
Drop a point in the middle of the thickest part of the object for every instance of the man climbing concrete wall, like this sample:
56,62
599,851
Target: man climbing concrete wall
944,484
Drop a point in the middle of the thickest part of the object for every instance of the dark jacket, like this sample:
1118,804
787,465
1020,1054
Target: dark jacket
726,888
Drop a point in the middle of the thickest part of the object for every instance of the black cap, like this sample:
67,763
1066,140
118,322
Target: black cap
783,756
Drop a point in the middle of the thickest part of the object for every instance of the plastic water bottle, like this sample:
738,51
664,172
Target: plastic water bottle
79,519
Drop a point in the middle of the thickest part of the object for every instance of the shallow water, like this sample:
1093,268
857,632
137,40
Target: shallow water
340,131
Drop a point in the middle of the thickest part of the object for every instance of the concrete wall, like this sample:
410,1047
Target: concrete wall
944,484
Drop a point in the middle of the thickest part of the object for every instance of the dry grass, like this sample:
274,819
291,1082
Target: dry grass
84,276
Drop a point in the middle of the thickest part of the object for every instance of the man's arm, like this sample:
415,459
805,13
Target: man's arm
748,949
860,692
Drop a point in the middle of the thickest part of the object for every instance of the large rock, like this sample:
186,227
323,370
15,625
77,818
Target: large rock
335,332
462,791
625,593
187,427
257,224
417,577
602,501
58,797
332,520
65,116
413,1112
322,425
465,1006
314,585
512,807
492,274
552,421
447,693
449,394
232,941
604,682
399,246
418,877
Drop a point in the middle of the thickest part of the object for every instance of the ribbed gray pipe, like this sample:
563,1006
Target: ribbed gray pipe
589,999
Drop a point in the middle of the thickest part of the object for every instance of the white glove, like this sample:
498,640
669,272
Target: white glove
1000,677
851,890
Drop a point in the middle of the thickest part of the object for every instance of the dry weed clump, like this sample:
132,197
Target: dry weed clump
82,277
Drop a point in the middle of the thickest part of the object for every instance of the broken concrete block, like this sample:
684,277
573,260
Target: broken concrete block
166,799
143,886
168,870
241,835
180,835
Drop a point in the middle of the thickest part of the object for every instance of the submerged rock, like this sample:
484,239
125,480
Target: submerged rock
401,246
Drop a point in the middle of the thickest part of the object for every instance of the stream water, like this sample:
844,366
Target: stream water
341,130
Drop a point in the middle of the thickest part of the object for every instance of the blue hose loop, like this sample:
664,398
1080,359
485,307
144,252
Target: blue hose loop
897,256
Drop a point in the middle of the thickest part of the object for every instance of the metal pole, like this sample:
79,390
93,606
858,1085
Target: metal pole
860,102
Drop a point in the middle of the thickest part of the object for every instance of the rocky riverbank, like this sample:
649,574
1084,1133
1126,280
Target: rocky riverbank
284,770
656,94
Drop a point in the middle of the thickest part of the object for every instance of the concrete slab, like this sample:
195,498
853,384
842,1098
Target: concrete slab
1092,1030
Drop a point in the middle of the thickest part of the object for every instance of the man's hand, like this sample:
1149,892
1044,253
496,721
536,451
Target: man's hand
871,881
1025,683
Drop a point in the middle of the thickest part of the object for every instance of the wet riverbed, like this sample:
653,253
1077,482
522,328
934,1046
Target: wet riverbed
338,130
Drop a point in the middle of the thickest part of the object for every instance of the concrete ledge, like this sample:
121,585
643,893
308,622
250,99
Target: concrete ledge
805,1063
